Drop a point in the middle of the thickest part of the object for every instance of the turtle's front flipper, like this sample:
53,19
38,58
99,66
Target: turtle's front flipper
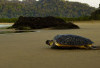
54,46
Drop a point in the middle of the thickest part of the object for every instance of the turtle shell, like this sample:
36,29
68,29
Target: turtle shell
69,39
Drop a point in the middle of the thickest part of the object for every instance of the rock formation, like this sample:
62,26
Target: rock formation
43,22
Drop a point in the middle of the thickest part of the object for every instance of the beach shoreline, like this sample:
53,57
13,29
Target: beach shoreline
28,50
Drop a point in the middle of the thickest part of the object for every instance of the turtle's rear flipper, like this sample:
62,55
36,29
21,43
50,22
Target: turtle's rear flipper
94,47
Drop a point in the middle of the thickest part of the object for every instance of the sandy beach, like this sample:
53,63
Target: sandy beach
28,50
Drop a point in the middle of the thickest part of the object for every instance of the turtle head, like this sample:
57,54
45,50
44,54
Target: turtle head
49,42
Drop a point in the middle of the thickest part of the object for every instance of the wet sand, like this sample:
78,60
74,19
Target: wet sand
28,50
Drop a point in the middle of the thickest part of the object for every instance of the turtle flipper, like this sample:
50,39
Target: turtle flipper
92,47
95,47
54,46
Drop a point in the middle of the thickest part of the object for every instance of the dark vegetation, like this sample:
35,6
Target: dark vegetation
8,20
27,23
12,20
96,14
42,8
85,18
68,11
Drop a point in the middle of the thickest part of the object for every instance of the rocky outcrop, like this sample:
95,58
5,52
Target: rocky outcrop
43,22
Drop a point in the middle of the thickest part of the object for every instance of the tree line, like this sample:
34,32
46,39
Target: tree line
57,8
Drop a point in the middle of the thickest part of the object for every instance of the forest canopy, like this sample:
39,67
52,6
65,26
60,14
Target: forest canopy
58,8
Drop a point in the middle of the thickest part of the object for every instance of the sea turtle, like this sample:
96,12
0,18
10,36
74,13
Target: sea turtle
70,41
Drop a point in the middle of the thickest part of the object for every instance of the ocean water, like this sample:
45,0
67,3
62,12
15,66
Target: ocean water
6,25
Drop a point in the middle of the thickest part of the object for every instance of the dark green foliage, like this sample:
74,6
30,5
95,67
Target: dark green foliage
12,20
96,15
8,20
25,23
58,8
85,18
